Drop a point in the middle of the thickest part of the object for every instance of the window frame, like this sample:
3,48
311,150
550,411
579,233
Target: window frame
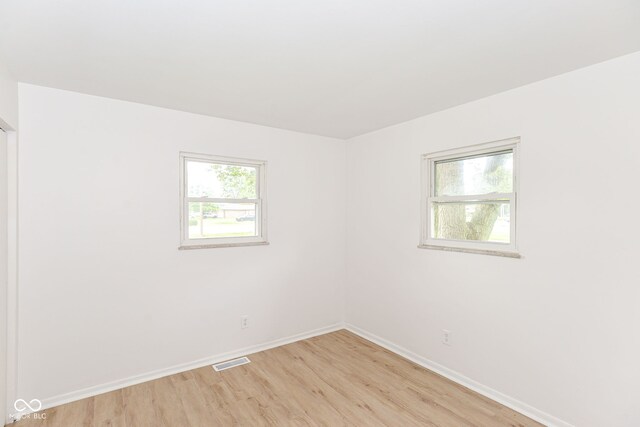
428,161
260,202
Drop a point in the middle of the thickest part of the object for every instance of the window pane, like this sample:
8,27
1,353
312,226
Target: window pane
486,221
476,175
221,181
207,220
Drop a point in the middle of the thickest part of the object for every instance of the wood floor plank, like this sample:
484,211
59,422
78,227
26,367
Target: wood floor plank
305,390
385,383
78,413
337,379
140,409
472,406
108,410
379,392
338,376
195,406
167,403
217,396
276,402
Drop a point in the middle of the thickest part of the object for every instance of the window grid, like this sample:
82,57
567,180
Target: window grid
430,199
259,203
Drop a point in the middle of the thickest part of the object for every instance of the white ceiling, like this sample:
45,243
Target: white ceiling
330,67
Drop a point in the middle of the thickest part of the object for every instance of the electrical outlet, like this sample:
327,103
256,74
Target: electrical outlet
446,337
244,322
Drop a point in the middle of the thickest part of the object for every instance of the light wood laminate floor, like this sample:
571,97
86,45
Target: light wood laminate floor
337,379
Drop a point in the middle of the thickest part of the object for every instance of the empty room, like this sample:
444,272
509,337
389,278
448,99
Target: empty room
320,213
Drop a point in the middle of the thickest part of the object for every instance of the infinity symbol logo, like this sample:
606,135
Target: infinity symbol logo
22,405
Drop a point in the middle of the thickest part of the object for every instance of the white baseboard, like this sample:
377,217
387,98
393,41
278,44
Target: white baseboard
153,375
516,405
503,399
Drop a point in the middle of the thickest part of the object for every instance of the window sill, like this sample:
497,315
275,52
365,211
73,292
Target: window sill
221,245
506,254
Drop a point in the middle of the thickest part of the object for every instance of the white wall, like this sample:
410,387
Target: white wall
8,120
3,275
557,329
8,98
104,292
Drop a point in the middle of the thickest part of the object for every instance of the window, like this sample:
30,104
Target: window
222,201
469,199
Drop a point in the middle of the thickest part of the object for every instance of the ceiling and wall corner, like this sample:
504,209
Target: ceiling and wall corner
331,68
8,98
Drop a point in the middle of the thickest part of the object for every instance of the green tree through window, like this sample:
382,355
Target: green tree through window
238,182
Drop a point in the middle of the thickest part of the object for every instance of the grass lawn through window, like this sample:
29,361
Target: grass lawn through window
221,227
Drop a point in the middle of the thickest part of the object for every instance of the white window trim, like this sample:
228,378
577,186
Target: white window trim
260,201
427,190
